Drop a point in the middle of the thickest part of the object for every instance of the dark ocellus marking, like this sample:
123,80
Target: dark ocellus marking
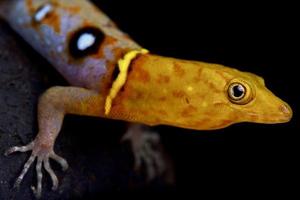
91,49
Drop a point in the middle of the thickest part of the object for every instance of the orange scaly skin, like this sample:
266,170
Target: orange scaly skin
193,95
157,90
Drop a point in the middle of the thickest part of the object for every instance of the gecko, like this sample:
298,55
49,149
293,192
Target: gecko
111,76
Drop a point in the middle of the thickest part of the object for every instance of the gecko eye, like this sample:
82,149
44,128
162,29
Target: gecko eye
236,91
239,93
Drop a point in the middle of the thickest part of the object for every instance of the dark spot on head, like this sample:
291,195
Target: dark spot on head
188,111
178,69
162,98
163,79
80,47
187,101
178,93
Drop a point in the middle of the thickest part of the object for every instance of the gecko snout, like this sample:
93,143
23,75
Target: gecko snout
285,112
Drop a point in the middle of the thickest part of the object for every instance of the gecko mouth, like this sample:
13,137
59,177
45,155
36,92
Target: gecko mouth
283,115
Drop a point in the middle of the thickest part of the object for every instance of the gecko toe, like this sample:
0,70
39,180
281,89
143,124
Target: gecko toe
51,173
64,164
156,158
42,153
19,149
137,160
149,162
24,171
38,190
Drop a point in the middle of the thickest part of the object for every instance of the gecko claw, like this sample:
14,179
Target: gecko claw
37,194
41,153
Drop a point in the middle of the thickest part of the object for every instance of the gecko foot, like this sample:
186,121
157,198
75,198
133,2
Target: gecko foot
146,149
40,152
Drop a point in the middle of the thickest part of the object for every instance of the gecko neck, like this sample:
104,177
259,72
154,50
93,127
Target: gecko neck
123,65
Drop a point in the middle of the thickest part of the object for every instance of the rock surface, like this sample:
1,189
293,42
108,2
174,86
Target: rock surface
98,163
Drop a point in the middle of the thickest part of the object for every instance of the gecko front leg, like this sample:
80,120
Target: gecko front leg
52,107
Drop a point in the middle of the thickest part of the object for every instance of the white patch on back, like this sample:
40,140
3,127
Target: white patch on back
85,41
42,12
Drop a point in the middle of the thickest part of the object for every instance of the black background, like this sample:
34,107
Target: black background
256,37
242,160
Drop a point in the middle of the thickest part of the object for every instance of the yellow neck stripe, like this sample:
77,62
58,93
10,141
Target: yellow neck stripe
123,64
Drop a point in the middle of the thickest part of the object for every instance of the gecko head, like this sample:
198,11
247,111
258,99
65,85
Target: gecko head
195,95
250,100
231,96
234,96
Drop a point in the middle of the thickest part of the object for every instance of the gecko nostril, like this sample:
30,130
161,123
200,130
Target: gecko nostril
285,110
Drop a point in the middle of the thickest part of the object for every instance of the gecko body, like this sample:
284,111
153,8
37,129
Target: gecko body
112,76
